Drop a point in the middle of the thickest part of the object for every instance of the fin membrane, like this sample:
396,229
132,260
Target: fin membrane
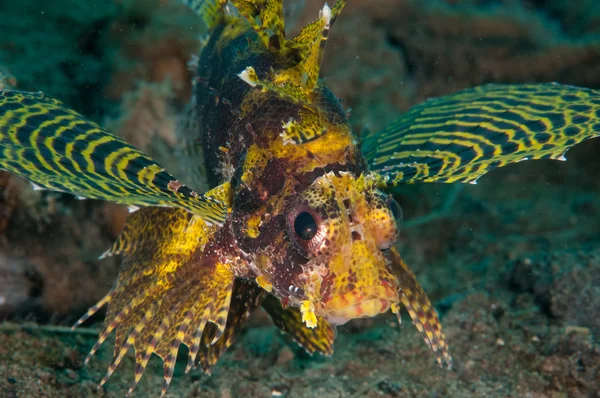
246,297
310,47
420,309
319,339
460,137
58,149
304,52
168,291
266,18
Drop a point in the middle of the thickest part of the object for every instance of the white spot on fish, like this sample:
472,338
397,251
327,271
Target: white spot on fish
245,76
325,14
36,187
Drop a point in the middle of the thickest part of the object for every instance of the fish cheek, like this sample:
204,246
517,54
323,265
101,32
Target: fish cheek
287,275
276,264
255,208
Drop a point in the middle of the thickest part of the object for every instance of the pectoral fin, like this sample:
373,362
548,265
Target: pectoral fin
169,289
246,297
58,149
462,136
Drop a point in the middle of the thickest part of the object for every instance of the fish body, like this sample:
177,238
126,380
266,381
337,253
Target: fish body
287,157
297,220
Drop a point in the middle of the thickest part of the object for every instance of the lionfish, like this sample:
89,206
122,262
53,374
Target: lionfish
298,220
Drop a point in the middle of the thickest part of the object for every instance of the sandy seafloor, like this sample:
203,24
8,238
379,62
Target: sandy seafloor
512,263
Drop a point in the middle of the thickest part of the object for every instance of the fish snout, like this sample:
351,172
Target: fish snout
362,302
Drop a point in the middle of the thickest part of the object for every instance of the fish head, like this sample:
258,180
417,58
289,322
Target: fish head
343,228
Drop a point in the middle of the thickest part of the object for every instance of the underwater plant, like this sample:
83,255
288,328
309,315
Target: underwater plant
297,221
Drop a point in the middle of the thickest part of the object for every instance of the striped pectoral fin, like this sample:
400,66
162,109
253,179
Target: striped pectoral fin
318,339
58,149
420,309
460,137
167,292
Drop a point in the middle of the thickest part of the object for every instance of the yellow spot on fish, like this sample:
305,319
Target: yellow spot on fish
308,314
264,283
252,226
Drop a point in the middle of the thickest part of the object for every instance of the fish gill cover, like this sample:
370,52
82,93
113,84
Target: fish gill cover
298,220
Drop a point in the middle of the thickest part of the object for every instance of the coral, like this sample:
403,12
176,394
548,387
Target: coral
578,17
16,193
61,251
76,50
7,202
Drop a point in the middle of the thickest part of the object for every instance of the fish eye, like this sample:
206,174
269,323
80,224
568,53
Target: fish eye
305,226
395,208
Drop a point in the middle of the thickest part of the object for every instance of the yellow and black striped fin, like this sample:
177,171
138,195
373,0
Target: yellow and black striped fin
266,18
460,137
212,12
318,339
420,309
58,149
169,290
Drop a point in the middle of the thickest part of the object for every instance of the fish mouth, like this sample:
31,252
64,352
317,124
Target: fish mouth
362,302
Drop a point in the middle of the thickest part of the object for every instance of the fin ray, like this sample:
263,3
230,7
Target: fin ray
56,148
460,137
168,289
420,309
304,52
246,297
319,339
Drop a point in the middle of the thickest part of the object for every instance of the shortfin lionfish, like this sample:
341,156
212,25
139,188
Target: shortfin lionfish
298,220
